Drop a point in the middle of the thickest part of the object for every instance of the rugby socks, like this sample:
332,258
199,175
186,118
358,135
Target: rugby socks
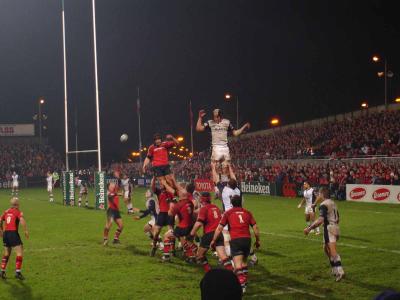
337,263
129,207
105,234
245,271
18,264
51,197
227,264
167,248
204,262
242,277
117,234
4,262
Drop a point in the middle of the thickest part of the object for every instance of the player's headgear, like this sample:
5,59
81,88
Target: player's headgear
190,188
236,201
157,136
205,198
218,111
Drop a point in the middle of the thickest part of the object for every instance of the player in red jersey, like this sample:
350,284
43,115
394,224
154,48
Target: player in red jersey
184,211
12,217
165,196
113,214
158,156
209,217
239,220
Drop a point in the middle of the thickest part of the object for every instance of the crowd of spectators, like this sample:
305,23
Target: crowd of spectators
28,160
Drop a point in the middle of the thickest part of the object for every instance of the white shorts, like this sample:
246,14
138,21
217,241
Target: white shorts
15,185
309,210
127,195
331,233
152,222
220,153
49,189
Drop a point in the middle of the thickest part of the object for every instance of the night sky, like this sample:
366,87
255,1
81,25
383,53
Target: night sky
295,59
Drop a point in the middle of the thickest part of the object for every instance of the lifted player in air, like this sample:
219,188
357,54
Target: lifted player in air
309,200
113,214
152,209
127,187
15,184
329,217
12,217
184,212
49,180
209,217
158,154
83,191
165,196
219,128
239,220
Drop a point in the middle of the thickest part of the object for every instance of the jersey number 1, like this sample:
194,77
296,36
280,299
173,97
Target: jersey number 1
240,219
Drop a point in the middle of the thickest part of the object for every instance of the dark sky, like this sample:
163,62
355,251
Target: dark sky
295,59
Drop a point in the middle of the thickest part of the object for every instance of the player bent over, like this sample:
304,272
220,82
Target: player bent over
49,180
152,210
309,200
127,187
12,217
239,220
209,217
184,211
113,214
329,217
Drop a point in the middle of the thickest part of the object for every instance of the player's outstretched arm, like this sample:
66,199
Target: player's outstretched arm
199,126
257,235
24,227
316,223
239,131
145,164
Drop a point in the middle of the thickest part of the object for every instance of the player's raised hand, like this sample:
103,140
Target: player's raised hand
202,113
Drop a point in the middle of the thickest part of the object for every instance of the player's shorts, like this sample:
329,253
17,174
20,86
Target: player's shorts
207,238
49,189
240,246
163,219
113,214
15,185
11,239
220,153
83,191
127,195
309,210
160,171
182,232
331,233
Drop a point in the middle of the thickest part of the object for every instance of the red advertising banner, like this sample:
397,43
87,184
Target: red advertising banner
373,193
204,185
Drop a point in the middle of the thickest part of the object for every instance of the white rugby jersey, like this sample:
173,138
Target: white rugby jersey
15,179
227,194
219,131
49,180
328,210
125,184
309,196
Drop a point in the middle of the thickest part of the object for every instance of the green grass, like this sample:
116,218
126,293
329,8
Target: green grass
65,259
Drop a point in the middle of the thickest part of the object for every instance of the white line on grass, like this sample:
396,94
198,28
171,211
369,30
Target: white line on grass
288,290
340,244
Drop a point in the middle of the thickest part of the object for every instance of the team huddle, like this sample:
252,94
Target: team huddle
183,211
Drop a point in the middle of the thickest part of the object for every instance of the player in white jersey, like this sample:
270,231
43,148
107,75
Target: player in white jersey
127,187
219,128
152,209
15,184
49,180
329,217
83,191
309,200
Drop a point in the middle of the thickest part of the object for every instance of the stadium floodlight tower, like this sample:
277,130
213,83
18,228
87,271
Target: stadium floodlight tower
99,178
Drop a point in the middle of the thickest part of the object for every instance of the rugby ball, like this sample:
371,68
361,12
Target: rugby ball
123,138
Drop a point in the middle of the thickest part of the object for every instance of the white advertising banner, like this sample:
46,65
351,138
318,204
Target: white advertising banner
373,193
17,129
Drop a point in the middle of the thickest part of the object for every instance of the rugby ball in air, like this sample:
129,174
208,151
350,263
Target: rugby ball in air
123,138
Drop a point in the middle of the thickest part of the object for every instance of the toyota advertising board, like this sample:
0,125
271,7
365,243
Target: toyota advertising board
373,193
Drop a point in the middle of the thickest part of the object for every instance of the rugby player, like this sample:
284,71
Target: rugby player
309,200
239,220
127,187
329,217
83,191
152,209
49,180
12,217
157,154
113,214
219,128
15,184
209,217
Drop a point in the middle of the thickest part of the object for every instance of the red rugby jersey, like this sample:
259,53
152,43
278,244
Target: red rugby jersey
11,218
238,220
159,154
113,200
210,216
163,199
184,210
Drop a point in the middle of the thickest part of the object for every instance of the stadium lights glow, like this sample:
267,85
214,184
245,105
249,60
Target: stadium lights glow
397,100
135,154
364,105
274,122
180,138
41,101
228,96
375,58
191,154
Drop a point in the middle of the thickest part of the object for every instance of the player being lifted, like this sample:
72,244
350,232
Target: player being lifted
12,217
329,217
309,200
49,180
113,214
158,156
239,220
15,184
127,187
152,209
83,191
209,217
219,128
